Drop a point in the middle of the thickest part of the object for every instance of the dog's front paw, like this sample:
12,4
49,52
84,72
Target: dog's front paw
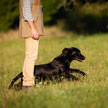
75,78
84,74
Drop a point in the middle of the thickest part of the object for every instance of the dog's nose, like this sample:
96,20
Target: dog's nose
84,58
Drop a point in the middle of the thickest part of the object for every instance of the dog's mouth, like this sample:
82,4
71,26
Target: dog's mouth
80,59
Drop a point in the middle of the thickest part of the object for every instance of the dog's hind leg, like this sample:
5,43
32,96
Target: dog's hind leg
77,71
18,86
20,75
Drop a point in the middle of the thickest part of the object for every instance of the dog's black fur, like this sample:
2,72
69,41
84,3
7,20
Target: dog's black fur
58,67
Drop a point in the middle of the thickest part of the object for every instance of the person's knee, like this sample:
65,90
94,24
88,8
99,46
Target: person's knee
31,56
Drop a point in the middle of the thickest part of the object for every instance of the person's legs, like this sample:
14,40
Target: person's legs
29,62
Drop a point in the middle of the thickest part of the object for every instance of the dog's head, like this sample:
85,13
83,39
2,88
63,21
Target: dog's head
73,54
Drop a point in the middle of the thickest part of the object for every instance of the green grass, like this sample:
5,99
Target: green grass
90,92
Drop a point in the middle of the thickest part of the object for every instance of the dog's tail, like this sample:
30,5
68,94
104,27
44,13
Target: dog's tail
20,75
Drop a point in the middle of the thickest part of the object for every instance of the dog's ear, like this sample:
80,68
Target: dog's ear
65,50
73,48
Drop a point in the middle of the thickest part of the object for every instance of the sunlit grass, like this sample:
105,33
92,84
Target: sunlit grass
90,92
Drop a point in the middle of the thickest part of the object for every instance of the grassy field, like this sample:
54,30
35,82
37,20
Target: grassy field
90,92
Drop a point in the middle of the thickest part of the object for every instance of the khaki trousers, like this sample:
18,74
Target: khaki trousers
29,62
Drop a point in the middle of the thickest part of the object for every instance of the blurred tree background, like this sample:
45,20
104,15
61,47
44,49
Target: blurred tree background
80,16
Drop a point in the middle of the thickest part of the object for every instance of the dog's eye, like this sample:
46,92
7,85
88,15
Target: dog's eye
73,53
79,53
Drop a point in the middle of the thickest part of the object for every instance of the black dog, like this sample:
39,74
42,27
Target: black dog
58,67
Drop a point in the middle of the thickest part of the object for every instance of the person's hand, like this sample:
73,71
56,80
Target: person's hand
35,34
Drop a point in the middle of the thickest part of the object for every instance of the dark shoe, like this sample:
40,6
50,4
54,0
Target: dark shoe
25,88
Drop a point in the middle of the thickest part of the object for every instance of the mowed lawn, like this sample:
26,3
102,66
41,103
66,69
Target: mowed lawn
89,92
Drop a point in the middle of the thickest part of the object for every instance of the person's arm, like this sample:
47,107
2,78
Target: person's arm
27,13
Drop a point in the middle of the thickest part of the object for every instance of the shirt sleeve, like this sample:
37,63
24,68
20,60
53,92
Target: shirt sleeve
27,10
